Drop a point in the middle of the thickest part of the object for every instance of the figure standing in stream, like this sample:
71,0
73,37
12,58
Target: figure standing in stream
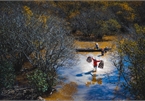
89,59
97,46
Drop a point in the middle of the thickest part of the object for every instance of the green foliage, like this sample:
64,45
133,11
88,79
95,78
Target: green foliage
139,29
108,27
7,75
38,80
113,25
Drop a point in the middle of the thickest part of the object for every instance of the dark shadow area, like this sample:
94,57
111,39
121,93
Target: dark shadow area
79,75
86,73
99,55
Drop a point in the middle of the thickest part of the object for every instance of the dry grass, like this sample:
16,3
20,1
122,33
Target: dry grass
85,44
109,42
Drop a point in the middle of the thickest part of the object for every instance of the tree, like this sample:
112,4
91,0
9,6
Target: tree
43,41
109,27
131,62
95,21
125,14
138,8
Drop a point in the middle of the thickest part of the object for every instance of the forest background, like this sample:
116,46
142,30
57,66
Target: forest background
42,34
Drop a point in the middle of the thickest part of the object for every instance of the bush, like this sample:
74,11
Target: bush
30,35
131,62
38,81
7,75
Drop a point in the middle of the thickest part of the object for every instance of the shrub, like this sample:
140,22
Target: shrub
38,81
131,62
7,75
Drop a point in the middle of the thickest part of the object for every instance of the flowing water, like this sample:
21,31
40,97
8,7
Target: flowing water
80,84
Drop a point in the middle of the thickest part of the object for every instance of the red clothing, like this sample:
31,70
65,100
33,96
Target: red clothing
95,62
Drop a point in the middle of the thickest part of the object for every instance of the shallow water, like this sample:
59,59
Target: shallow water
81,84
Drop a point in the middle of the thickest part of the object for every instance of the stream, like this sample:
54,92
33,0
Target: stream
80,84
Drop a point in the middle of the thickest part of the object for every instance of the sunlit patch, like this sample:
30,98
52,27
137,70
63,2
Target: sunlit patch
91,45
65,93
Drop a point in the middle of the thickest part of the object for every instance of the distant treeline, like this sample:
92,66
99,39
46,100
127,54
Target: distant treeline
94,18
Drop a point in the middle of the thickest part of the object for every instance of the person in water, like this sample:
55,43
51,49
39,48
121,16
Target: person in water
95,62
97,46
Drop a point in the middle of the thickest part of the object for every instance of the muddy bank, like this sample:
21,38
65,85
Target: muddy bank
65,93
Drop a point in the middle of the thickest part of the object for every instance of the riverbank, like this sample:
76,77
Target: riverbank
107,41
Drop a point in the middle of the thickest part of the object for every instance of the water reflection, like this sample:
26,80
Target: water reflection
94,80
